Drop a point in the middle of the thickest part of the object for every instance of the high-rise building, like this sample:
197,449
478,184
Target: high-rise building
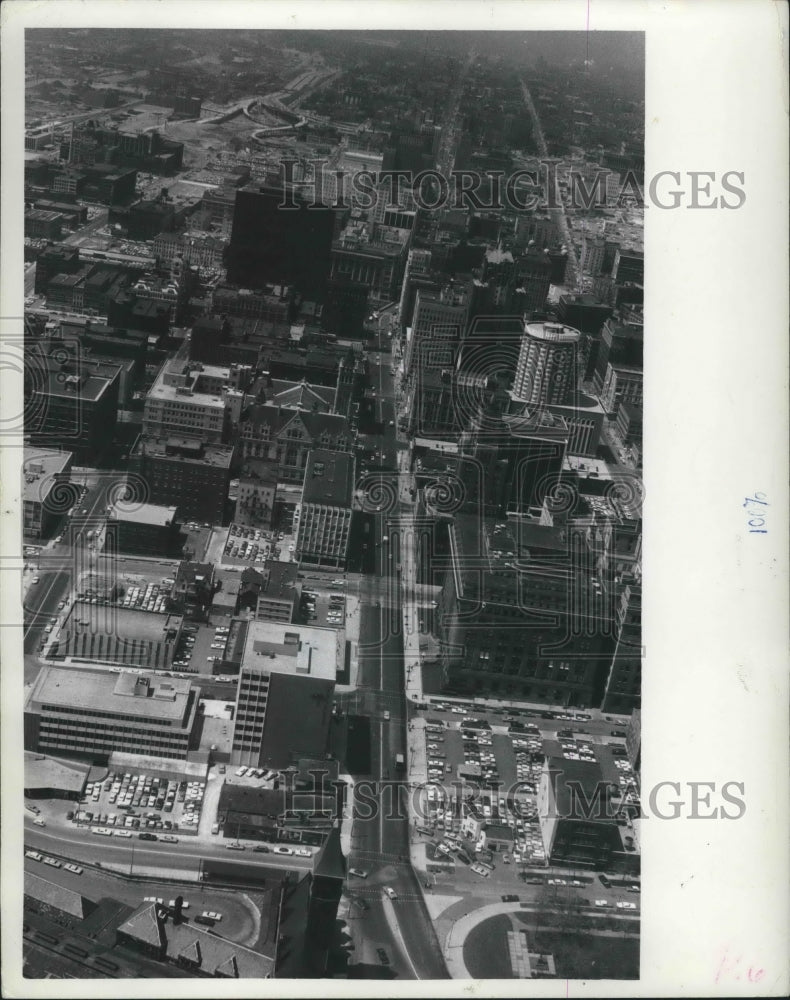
276,238
186,473
523,613
546,371
284,701
70,402
624,683
593,250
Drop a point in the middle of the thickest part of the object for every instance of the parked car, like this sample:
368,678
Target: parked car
359,872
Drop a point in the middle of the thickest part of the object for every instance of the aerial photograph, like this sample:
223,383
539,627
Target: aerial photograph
332,504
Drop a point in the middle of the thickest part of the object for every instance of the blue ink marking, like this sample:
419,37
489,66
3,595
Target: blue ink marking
757,517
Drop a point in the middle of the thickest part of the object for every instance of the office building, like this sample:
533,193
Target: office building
45,496
434,339
593,250
216,211
624,683
285,690
185,473
576,837
629,266
147,530
270,244
91,714
193,400
520,460
546,371
40,223
70,402
523,614
619,342
325,510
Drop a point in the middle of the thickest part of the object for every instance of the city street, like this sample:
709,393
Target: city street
380,845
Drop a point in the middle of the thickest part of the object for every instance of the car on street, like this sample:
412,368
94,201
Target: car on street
261,849
383,956
626,906
34,855
73,868
390,891
282,849
234,847
478,869
602,902
359,872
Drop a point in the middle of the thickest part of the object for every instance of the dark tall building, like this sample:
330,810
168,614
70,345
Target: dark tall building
328,878
190,474
273,244
70,401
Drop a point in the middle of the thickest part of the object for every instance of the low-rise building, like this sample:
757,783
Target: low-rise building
256,493
90,714
45,497
271,593
147,529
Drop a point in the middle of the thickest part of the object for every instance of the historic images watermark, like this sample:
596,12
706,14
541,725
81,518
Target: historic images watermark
556,797
546,186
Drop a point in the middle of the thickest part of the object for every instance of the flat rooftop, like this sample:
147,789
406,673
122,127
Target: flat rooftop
329,478
147,513
129,694
185,450
40,468
293,649
42,771
127,623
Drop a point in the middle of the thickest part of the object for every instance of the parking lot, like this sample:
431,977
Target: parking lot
493,758
201,648
124,804
246,546
327,610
